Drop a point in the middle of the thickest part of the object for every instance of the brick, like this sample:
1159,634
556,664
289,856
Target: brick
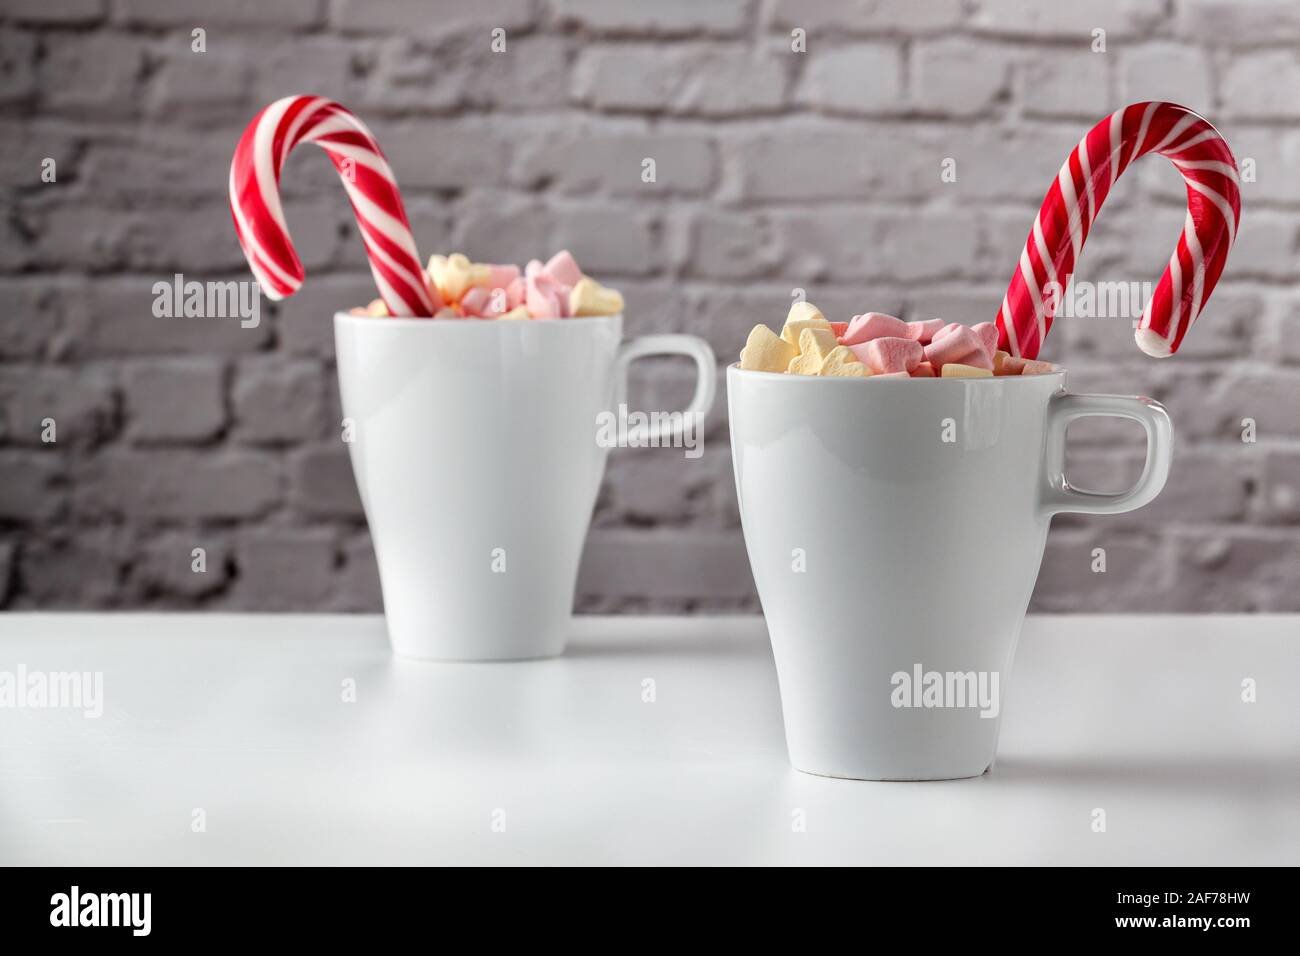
658,487
356,583
282,569
1066,582
531,73
330,66
833,17
95,73
31,314
201,81
67,570
1074,83
442,16
440,155
1224,330
656,564
81,403
1261,86
511,230
240,13
18,54
176,400
63,12
903,246
1165,71
606,241
1235,571
1280,492
1265,247
705,80
178,485
1286,331
278,400
959,78
164,566
583,165
1226,22
665,18
1205,485
860,79
821,164
1116,17
7,555
732,245
1270,177
321,483
306,320
1267,397
116,318
33,487
179,163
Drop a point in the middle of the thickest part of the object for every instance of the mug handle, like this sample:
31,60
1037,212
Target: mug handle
706,381
1057,495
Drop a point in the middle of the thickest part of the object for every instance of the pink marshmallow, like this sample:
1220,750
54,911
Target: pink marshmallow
892,375
950,327
475,300
960,345
500,276
873,325
988,333
546,298
924,332
534,267
563,269
888,354
516,293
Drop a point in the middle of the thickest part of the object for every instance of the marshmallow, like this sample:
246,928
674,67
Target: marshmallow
814,346
376,308
545,298
516,292
957,370
874,325
960,345
924,332
892,375
518,312
988,334
923,370
562,268
842,363
765,351
454,275
889,354
500,276
589,297
839,328
802,315
999,367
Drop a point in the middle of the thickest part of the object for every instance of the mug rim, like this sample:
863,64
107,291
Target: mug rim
394,321
1057,373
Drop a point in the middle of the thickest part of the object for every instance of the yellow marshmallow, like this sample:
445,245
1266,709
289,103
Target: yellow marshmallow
377,308
957,370
518,312
842,363
589,297
765,352
814,345
802,315
454,275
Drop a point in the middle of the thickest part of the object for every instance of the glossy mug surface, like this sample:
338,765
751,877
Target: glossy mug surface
895,529
474,446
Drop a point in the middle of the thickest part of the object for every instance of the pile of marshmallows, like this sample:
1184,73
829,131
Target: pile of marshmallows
556,289
881,346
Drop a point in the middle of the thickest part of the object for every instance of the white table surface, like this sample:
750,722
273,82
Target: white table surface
242,717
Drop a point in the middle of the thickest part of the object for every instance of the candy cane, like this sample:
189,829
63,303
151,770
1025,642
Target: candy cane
1072,203
381,218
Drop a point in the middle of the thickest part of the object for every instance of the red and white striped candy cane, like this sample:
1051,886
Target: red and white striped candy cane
381,217
1072,203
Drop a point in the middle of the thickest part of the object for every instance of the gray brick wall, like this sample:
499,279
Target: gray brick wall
775,170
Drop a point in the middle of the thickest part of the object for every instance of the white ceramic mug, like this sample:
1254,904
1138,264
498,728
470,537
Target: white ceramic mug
475,449
895,530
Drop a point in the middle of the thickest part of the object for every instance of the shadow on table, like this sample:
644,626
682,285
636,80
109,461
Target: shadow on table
651,645
1203,772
